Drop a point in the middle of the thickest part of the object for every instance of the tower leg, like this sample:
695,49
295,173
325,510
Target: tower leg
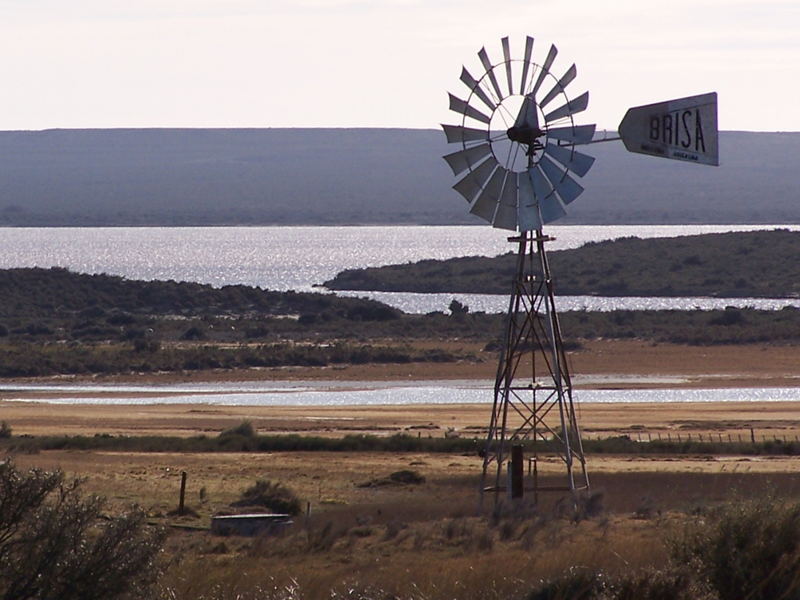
533,390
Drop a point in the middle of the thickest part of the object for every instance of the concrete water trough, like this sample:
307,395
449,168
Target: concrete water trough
250,524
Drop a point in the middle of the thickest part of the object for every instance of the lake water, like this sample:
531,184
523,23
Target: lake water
333,393
284,258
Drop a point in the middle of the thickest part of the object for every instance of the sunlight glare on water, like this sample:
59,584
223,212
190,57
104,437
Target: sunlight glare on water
284,258
364,393
279,258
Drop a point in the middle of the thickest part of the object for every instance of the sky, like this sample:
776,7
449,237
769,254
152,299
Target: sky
380,63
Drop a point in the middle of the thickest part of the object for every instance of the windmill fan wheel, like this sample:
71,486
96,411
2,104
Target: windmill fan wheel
517,160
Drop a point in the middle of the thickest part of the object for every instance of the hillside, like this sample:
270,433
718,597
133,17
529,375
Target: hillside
354,176
56,293
748,264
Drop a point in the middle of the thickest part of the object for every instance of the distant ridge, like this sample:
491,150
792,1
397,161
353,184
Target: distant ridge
175,177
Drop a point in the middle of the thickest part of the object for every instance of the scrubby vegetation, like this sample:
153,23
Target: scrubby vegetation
55,350
36,292
229,441
721,552
728,265
640,535
739,550
270,495
58,322
57,543
30,359
696,327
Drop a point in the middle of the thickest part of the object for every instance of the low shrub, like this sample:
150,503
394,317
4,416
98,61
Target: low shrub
745,550
57,543
243,429
407,476
648,584
575,584
273,496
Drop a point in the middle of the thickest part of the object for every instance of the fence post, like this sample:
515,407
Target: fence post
183,493
752,436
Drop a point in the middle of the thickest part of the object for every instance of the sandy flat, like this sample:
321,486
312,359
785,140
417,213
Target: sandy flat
638,420
600,364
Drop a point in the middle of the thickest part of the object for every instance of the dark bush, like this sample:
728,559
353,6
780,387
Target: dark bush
407,476
37,329
55,543
243,429
256,332
667,584
746,550
273,496
456,308
92,312
372,311
649,584
193,333
121,319
146,345
730,316
576,584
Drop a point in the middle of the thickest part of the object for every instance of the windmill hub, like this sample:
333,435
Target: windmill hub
525,134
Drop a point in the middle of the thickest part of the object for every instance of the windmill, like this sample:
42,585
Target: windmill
517,165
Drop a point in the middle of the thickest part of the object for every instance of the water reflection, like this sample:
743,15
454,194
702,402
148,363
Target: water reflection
269,257
493,303
328,393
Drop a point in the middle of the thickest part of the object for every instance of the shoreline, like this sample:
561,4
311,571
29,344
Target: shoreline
599,364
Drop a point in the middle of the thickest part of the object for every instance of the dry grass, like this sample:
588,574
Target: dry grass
461,558
421,541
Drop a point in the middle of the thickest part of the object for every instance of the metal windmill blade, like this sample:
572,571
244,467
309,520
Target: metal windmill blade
516,163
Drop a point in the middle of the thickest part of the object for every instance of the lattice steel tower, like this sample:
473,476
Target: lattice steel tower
533,389
516,165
